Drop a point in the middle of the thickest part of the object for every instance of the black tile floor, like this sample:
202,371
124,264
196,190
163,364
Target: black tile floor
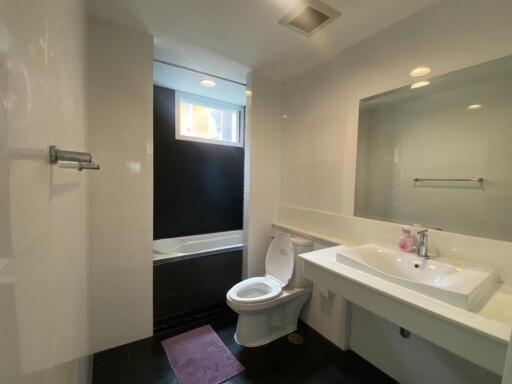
316,360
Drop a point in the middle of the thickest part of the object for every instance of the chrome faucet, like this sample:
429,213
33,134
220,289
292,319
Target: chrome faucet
421,248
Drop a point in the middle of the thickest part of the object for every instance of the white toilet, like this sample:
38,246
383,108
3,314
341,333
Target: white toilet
268,307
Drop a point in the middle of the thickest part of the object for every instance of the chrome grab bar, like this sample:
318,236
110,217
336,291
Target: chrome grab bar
72,159
478,180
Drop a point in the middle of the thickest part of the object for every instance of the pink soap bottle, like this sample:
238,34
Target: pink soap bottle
407,241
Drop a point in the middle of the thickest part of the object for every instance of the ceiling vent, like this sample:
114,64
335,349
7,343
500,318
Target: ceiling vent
309,16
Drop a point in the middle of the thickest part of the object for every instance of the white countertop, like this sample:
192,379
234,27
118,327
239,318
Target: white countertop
493,320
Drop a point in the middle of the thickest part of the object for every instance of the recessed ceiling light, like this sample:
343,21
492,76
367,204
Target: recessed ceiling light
420,71
420,84
208,83
248,93
285,116
474,106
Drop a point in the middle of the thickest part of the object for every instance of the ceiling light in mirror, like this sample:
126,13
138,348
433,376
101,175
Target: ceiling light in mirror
248,93
208,83
420,84
441,132
420,71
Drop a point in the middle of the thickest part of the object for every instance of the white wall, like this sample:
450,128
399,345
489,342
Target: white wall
120,112
43,209
262,169
320,135
414,360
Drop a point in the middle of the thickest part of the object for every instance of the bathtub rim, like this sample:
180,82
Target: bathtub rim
159,258
172,259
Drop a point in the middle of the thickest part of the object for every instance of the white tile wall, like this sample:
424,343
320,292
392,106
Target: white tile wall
263,164
43,209
120,113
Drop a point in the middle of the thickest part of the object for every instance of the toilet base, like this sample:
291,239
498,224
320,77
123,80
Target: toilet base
272,338
256,328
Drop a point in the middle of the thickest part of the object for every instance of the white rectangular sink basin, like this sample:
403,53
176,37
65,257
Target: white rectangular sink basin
459,284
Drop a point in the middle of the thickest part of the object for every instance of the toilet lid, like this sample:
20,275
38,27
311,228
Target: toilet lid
280,259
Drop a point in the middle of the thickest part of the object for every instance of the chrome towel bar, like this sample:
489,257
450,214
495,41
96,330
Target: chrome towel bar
477,180
72,159
79,166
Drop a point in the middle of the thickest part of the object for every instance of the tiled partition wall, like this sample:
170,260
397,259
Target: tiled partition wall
120,112
262,169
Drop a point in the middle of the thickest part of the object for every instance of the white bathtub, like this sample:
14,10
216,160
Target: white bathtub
197,245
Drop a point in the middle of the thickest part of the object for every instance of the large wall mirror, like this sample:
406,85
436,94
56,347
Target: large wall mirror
440,155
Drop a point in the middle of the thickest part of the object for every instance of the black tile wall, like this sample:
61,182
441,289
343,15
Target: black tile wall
208,295
191,178
170,278
212,270
171,305
184,286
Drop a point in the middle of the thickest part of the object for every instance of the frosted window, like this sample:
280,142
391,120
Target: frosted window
206,120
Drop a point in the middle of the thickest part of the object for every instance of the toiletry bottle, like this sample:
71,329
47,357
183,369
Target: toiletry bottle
407,241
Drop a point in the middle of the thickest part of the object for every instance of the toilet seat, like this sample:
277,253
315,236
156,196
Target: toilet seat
255,290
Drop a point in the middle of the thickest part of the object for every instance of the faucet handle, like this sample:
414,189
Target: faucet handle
421,247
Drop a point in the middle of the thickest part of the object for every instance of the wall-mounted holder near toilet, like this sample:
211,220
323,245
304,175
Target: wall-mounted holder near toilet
325,293
72,159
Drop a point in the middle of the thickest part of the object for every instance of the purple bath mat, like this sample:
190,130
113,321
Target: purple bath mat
200,357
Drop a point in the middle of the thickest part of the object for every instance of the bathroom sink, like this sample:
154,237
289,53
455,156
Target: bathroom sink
460,284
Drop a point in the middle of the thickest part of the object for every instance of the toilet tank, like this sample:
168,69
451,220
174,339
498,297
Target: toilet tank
300,245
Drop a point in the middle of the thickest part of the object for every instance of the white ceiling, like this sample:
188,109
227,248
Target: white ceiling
232,37
188,81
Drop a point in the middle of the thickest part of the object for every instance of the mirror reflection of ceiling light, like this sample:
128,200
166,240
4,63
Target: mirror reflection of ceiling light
134,167
208,83
420,71
420,84
473,107
248,93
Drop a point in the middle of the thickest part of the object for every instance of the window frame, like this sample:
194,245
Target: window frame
208,102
